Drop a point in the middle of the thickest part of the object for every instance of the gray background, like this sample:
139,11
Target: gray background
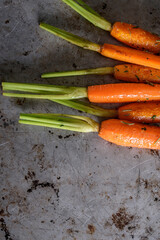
58,184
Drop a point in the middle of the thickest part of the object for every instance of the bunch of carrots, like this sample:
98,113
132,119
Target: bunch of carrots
143,89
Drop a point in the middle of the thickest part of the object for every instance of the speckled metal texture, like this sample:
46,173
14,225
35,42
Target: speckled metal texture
58,184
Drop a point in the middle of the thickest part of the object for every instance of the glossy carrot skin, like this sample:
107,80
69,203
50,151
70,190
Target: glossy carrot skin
148,112
136,37
123,92
136,73
130,55
129,134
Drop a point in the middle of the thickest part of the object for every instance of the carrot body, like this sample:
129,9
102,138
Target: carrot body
136,73
130,55
129,134
147,112
123,92
136,37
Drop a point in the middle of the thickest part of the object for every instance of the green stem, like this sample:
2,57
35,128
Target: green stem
78,41
61,121
89,14
58,96
100,71
44,91
88,108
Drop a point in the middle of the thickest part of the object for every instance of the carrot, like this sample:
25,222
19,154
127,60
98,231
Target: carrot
136,37
108,50
129,34
130,55
109,93
148,112
124,72
120,132
136,73
128,134
123,92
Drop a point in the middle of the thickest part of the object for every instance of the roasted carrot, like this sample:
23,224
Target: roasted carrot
147,112
124,72
136,37
120,132
108,93
123,92
108,50
136,73
128,134
127,33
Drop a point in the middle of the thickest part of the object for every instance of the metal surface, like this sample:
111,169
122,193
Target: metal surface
59,184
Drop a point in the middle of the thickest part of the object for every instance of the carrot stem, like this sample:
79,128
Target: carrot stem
100,71
43,91
61,121
88,108
88,13
78,41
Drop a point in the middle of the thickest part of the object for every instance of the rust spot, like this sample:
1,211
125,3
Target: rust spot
91,229
30,175
36,184
121,218
4,229
20,101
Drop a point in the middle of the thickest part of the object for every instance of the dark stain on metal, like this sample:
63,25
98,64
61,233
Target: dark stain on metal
153,186
30,175
121,218
104,6
7,21
4,229
26,53
36,184
91,229
74,65
20,101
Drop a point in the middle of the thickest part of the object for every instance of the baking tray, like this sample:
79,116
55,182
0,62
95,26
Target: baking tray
58,184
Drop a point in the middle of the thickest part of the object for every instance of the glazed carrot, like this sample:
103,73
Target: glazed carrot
147,112
108,50
127,33
130,55
136,37
136,73
128,134
120,132
123,92
108,93
124,72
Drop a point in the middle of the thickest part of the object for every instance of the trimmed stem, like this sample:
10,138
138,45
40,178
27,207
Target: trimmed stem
98,71
78,41
44,91
89,14
89,108
61,121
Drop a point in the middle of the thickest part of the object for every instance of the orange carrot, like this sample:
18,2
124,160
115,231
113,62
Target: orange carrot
148,112
130,55
108,93
136,37
128,134
124,72
120,132
136,73
123,92
127,33
108,50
